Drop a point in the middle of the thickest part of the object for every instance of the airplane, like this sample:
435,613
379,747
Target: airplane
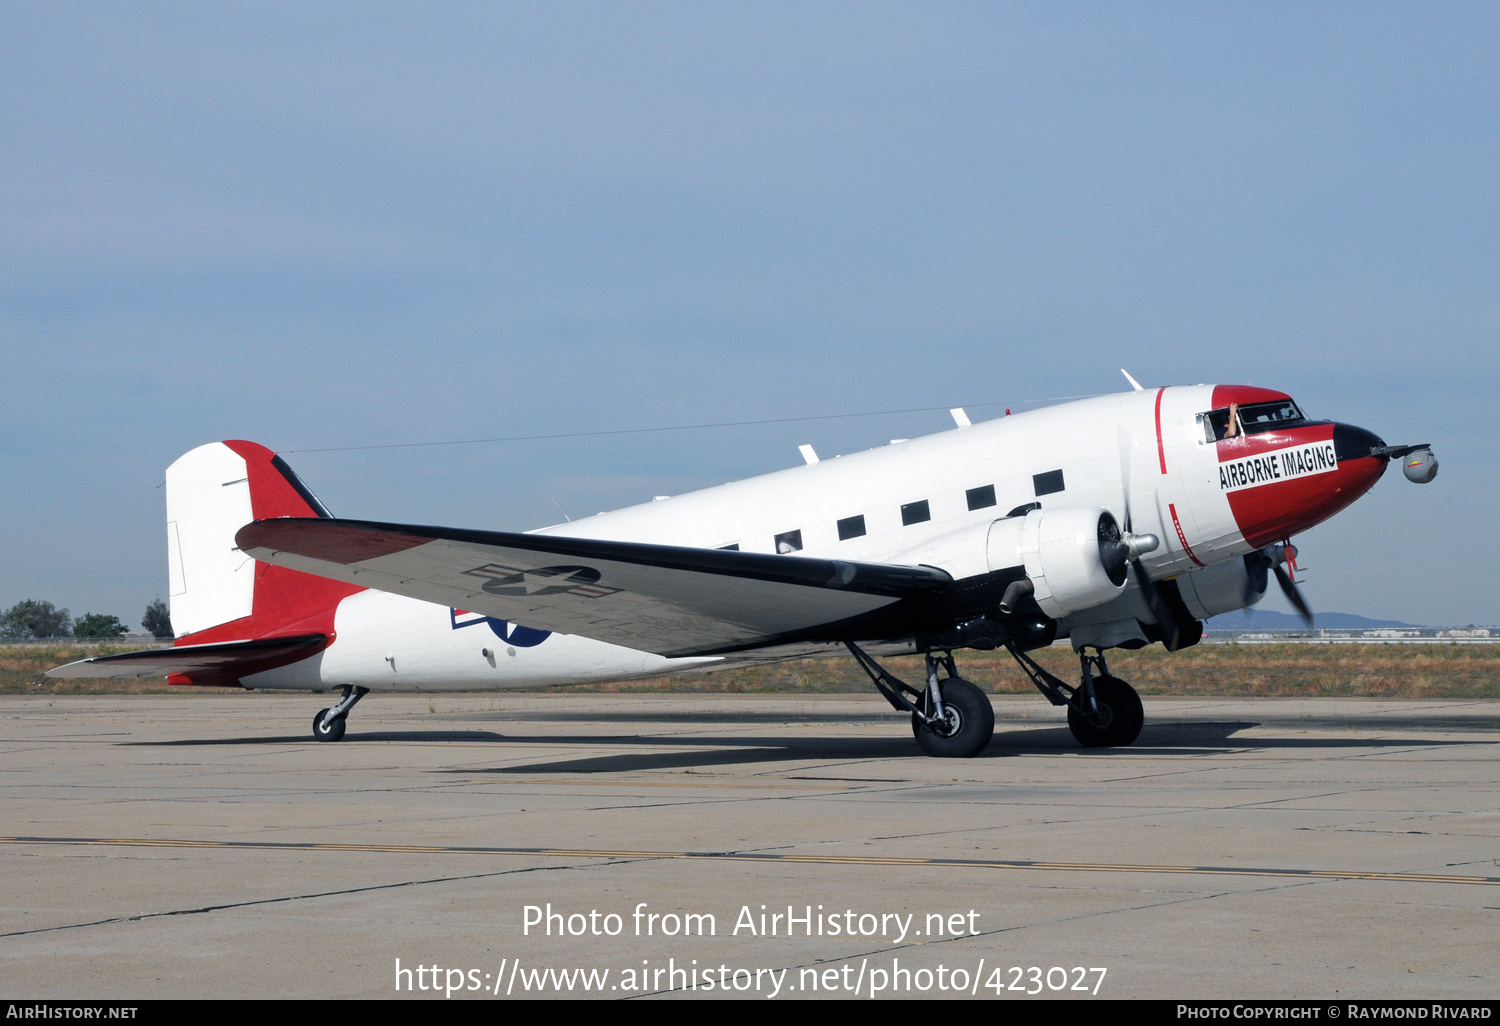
1115,521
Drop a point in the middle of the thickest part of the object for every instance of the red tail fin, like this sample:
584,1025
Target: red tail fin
284,602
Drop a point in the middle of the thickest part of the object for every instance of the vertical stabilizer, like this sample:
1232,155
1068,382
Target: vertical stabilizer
217,592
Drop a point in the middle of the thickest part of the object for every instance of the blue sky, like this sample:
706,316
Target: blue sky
325,226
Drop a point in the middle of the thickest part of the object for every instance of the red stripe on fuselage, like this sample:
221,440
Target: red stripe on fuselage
1182,537
1161,450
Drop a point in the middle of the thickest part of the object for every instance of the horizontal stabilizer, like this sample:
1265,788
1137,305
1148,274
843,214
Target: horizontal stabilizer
222,663
670,600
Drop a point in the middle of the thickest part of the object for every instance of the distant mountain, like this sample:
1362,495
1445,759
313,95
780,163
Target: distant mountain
1270,620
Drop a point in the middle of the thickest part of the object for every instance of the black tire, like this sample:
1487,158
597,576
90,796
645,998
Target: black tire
327,731
1120,716
971,722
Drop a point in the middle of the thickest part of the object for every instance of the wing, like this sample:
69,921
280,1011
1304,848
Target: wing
222,663
656,598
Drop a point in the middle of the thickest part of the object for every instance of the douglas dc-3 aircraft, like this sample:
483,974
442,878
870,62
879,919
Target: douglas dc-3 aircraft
1114,521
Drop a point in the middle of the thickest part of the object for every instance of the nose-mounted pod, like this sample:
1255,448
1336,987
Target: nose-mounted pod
1417,461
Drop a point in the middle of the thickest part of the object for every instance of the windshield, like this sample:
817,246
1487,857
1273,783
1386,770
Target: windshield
1253,419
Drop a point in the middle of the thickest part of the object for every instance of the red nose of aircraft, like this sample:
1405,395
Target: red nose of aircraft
1285,481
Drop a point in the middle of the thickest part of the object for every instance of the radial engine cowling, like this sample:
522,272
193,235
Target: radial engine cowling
1072,555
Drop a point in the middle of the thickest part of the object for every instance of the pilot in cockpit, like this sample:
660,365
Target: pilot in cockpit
1232,422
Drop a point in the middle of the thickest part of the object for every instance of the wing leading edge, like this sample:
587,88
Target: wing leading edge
666,599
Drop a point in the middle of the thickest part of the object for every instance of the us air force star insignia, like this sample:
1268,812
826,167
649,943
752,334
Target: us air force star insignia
544,580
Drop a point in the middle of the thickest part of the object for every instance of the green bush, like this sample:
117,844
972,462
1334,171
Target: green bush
98,625
30,618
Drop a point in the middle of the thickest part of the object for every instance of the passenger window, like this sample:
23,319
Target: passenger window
915,513
981,498
789,541
851,527
1046,484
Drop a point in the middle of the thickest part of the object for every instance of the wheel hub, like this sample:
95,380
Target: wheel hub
950,724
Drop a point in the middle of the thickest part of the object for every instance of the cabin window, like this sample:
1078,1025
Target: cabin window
915,513
1046,484
851,527
981,498
789,541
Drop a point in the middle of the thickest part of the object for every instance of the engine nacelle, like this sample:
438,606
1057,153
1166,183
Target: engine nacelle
1072,556
1223,587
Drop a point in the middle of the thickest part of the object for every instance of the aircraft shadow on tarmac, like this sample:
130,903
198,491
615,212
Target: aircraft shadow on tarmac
690,751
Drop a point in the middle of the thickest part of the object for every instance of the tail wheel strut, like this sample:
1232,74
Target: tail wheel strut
328,725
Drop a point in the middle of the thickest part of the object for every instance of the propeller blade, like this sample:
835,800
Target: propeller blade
1257,570
1293,593
1161,610
1125,476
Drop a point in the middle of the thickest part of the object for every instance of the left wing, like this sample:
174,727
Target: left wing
666,599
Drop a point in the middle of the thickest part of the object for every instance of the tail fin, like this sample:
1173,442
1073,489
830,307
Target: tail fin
217,592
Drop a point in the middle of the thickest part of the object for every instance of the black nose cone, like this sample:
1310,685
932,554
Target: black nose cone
1352,443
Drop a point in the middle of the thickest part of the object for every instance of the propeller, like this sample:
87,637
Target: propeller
1137,545
1289,585
1259,564
1276,559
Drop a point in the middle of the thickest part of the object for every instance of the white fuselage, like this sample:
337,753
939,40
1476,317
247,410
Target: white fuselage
1103,452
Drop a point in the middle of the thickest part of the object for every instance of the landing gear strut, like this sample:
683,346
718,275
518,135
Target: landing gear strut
951,718
1103,711
328,725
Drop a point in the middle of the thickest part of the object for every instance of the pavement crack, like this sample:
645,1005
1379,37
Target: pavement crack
282,899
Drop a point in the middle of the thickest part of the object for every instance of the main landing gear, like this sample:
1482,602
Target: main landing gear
328,725
1103,711
951,717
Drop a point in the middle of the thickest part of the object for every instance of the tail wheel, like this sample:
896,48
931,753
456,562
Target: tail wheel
968,725
327,730
1120,716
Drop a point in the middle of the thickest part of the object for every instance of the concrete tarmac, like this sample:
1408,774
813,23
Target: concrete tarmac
202,845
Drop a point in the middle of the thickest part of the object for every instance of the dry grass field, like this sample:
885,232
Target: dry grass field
22,666
1372,671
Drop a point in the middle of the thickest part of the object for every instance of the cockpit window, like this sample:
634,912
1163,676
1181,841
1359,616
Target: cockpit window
1259,417
1253,419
